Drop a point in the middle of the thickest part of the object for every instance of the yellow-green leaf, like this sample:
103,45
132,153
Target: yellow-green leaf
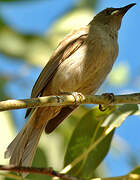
87,131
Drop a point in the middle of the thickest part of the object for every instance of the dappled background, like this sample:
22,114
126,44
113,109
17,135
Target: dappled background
29,32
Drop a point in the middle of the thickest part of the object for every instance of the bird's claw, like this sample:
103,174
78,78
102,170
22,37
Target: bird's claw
77,96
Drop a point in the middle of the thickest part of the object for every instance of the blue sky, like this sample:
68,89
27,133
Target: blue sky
37,16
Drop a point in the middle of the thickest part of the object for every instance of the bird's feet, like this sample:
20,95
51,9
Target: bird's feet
77,96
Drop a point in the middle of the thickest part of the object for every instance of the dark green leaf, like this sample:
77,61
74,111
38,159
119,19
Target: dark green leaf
136,170
39,161
88,130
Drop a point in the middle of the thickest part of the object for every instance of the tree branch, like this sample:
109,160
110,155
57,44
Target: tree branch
68,100
126,177
52,173
34,170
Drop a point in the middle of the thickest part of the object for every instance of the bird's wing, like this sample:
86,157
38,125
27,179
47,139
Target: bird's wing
65,49
54,123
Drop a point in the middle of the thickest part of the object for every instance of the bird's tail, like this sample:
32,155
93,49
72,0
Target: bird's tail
23,147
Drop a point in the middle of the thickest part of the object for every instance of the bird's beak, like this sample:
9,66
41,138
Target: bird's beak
123,10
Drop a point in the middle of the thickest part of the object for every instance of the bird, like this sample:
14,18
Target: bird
80,63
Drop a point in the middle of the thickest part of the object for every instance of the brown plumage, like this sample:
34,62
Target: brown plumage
80,63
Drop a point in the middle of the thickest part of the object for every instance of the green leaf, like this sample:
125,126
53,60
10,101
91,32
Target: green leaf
40,160
136,170
119,116
88,130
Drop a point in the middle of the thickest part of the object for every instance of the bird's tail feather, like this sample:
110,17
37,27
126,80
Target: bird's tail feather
23,147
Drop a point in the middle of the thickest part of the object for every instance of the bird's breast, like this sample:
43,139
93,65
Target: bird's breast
86,69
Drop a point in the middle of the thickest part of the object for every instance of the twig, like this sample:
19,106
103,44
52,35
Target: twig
68,100
51,172
126,177
46,171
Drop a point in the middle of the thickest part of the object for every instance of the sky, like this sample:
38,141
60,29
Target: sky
36,17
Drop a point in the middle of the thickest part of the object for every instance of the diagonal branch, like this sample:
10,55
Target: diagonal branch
35,170
52,173
68,100
126,177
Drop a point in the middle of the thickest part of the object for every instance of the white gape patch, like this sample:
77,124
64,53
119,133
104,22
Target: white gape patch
115,12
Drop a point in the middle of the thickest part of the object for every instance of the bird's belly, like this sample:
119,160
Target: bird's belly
73,78
83,74
68,76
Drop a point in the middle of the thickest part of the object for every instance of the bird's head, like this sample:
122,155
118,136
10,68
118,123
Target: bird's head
112,16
